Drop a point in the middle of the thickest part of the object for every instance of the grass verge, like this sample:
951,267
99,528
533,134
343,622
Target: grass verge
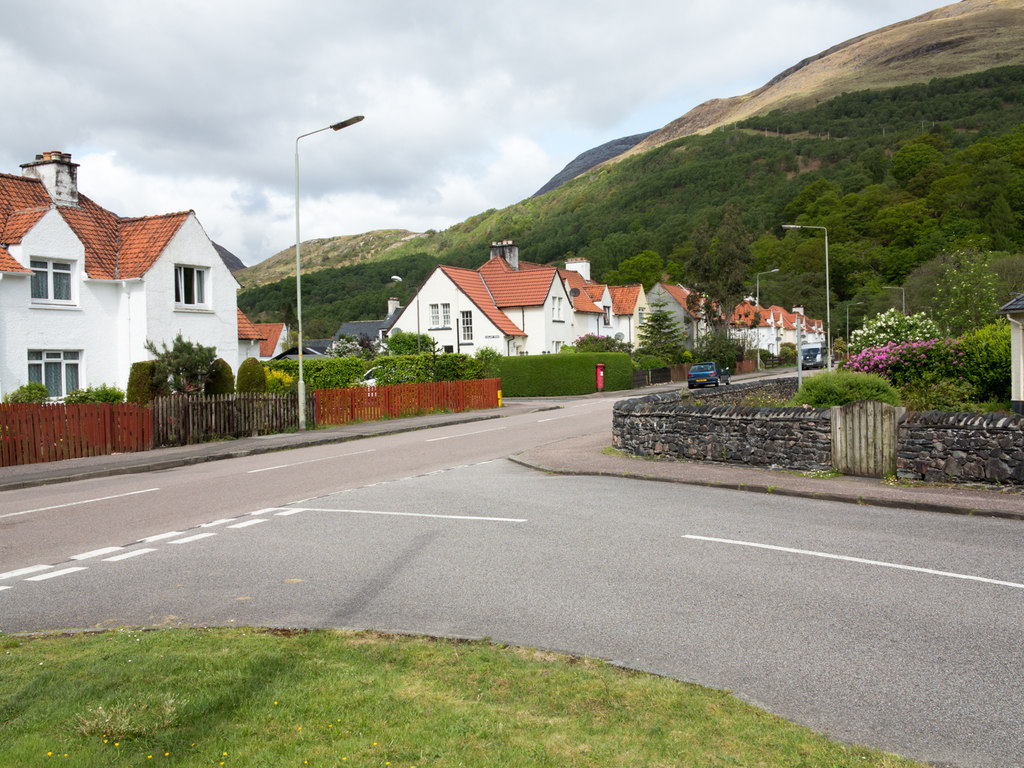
243,697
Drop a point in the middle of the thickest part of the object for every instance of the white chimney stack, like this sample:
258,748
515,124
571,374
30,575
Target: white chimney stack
58,174
580,265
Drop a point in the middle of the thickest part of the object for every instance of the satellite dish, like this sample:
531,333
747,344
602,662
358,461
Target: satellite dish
574,292
620,336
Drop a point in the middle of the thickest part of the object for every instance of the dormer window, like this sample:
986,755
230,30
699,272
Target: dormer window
51,281
190,287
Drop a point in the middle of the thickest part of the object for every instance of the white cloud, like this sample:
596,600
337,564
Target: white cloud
469,106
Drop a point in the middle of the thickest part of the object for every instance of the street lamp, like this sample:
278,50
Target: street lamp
298,266
828,295
757,307
899,288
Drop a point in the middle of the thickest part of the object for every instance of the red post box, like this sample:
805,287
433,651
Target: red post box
599,375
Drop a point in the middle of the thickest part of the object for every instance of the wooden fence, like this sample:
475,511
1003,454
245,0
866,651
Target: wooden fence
30,434
190,419
341,406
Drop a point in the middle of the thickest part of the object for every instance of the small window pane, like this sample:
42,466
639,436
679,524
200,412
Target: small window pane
35,354
53,379
39,287
62,286
70,377
35,373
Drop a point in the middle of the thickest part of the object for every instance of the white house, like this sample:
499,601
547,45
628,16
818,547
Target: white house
768,329
82,290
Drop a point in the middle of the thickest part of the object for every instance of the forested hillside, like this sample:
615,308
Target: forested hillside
900,178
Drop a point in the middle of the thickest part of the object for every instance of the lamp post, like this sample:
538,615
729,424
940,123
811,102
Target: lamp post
899,288
828,294
298,265
757,307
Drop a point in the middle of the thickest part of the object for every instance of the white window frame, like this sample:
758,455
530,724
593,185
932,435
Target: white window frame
52,271
607,315
191,282
435,315
466,326
446,315
66,363
556,308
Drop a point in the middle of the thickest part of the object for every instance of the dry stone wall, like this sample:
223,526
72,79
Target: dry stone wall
961,448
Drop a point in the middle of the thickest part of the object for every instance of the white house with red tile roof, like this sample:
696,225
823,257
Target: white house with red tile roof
770,328
82,290
273,339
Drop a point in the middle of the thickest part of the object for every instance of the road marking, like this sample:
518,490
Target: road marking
127,555
76,503
55,574
212,523
421,514
3,588
847,558
161,536
195,537
264,511
25,571
463,434
310,461
288,512
95,553
247,523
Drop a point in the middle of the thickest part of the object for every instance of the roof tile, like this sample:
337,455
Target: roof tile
246,330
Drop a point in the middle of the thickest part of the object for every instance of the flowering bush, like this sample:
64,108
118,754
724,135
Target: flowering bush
893,326
910,362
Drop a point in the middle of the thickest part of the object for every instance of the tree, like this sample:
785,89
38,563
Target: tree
965,296
720,264
646,268
401,342
660,335
185,367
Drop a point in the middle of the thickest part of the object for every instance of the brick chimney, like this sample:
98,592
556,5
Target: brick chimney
58,174
507,250
580,265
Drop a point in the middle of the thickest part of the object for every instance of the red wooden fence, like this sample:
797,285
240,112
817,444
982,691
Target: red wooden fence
35,433
340,406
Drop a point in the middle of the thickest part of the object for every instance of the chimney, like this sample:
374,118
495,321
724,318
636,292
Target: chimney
58,174
507,250
580,265
393,305
798,310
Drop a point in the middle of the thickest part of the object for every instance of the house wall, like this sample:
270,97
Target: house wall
216,326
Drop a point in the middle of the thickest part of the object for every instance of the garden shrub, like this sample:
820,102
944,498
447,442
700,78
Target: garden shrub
280,382
787,353
840,387
591,342
892,327
221,380
552,375
252,376
986,358
142,383
932,393
324,372
104,393
903,363
718,348
184,367
33,392
648,362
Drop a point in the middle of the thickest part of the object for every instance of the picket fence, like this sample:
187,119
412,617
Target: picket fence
31,434
341,406
191,419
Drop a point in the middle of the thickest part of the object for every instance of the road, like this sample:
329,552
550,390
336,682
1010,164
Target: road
902,630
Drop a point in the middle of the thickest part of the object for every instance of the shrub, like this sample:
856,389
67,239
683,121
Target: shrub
591,342
718,348
324,372
33,392
221,380
986,360
840,387
252,376
904,363
281,382
185,367
142,385
488,358
893,327
787,353
551,375
649,362
939,394
102,394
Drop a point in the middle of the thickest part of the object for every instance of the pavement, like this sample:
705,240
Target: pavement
588,455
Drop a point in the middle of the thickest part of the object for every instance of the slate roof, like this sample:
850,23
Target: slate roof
115,247
1014,305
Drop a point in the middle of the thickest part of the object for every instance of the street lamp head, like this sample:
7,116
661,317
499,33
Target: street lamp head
770,271
347,123
396,278
792,226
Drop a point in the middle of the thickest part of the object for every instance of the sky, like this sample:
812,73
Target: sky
468,104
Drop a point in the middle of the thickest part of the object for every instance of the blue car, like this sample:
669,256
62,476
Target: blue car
706,375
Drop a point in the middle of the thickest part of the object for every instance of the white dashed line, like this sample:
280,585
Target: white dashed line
162,536
194,537
25,571
95,553
212,523
128,555
265,511
848,559
55,574
247,523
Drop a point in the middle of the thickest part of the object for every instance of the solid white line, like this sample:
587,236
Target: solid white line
463,434
46,576
3,588
128,555
25,571
264,511
161,536
310,461
418,514
247,523
195,537
95,553
861,560
76,503
288,512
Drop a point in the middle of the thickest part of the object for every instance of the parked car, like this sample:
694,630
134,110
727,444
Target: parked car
706,375
811,357
369,378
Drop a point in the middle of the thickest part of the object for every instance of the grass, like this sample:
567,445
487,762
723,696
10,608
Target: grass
243,697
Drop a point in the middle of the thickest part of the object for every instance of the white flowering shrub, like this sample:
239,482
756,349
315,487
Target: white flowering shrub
893,327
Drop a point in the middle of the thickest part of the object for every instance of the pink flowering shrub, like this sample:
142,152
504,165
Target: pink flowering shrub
911,362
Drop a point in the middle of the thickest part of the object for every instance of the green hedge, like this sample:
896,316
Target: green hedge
323,372
554,375
340,372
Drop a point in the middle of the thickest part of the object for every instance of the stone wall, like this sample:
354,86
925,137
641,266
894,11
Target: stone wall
667,425
961,448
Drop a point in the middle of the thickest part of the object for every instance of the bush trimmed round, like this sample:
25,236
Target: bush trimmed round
830,388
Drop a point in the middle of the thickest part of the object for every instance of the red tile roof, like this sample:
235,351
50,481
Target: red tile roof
624,298
527,287
9,264
581,302
270,334
471,282
115,247
246,330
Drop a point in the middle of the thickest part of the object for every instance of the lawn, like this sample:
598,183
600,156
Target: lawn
244,697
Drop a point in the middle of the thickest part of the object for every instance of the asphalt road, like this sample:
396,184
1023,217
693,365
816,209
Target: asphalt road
901,630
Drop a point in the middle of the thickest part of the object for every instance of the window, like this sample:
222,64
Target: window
640,316
556,308
607,315
51,281
440,315
189,287
467,326
57,370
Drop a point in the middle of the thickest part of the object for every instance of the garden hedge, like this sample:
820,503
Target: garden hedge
556,375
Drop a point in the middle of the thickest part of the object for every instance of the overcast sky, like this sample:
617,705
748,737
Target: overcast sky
469,104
